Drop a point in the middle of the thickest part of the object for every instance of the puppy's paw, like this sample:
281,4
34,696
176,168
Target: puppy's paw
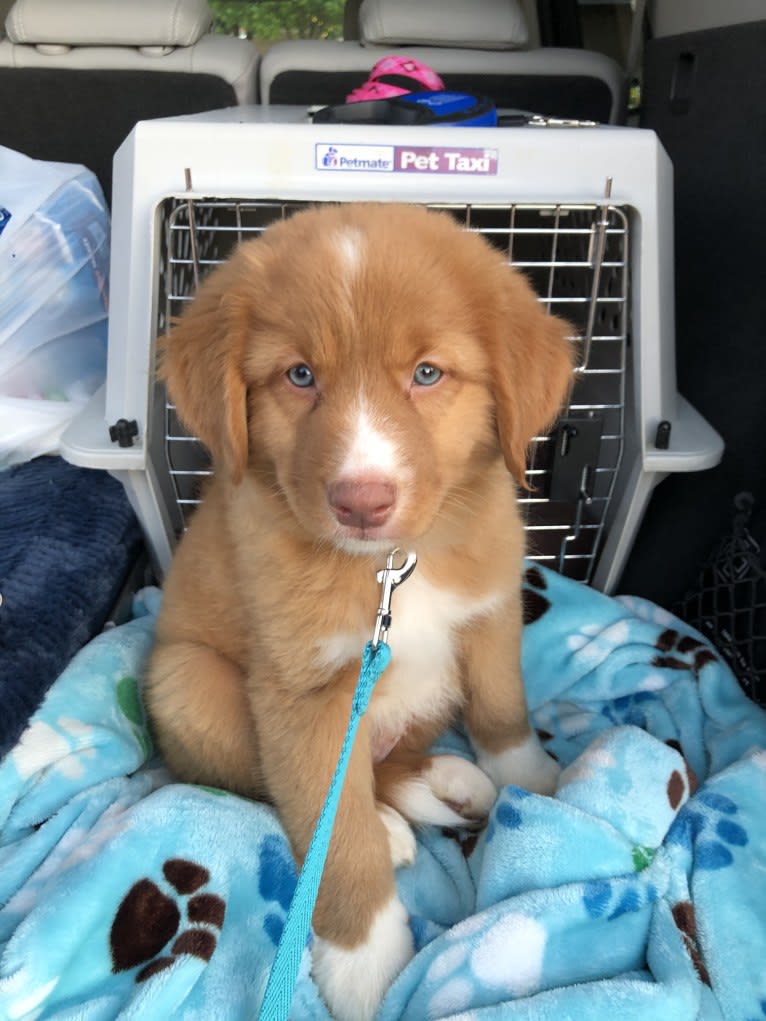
526,765
401,839
462,786
354,980
450,792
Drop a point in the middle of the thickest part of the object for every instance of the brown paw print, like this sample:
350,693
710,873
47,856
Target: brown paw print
148,919
683,916
682,652
677,787
534,603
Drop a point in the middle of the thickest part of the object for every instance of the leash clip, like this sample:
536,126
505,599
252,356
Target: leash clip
389,578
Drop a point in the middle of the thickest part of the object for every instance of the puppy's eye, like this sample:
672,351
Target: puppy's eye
301,376
426,375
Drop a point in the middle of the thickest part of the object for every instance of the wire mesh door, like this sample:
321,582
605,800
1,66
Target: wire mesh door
576,258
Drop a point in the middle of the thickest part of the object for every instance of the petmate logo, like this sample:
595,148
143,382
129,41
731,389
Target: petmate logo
330,158
376,158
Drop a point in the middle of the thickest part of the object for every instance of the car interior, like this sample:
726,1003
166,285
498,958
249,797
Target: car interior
112,101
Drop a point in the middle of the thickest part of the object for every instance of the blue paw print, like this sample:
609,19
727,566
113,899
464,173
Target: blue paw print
604,899
276,881
630,709
762,1015
423,931
710,833
507,813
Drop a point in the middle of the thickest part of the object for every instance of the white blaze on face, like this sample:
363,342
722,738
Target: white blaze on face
371,451
348,244
371,455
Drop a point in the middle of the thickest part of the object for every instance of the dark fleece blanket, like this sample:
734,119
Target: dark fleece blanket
68,538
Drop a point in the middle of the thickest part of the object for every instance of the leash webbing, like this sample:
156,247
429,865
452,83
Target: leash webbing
292,942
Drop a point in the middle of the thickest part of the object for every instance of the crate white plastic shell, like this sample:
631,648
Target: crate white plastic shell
270,154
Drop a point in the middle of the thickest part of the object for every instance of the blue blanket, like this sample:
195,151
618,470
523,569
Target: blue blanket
68,539
637,892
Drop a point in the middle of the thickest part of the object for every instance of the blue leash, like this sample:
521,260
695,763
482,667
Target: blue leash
292,942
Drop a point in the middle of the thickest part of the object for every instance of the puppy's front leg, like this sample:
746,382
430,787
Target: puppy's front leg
362,933
495,712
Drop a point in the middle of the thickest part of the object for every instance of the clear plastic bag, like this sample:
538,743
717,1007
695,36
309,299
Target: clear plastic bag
54,270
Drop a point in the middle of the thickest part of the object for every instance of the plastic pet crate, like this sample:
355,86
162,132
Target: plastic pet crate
585,212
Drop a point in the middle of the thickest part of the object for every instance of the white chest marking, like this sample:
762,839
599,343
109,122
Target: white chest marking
421,682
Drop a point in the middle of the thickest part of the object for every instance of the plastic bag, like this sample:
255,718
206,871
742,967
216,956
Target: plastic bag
54,270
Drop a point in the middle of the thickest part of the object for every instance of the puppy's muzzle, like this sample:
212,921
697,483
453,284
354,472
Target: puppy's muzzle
362,503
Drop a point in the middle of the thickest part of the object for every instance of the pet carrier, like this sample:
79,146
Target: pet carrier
585,212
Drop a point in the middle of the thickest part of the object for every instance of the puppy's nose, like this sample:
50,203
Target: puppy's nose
362,503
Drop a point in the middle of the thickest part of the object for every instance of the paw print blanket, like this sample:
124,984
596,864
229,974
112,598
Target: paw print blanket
637,892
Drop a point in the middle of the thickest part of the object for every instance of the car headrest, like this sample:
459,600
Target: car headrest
460,24
140,23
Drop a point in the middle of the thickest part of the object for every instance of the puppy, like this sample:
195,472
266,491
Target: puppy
365,377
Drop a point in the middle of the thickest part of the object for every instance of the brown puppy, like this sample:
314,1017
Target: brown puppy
365,377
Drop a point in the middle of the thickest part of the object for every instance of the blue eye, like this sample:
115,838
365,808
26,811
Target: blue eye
301,376
427,375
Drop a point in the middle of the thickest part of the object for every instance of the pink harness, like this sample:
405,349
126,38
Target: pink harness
396,76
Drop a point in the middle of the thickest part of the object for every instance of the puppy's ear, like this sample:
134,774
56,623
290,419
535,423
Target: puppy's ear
533,372
201,364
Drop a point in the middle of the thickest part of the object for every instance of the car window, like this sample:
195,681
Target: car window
268,21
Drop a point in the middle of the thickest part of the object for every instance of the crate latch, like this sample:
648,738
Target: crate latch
123,431
576,455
